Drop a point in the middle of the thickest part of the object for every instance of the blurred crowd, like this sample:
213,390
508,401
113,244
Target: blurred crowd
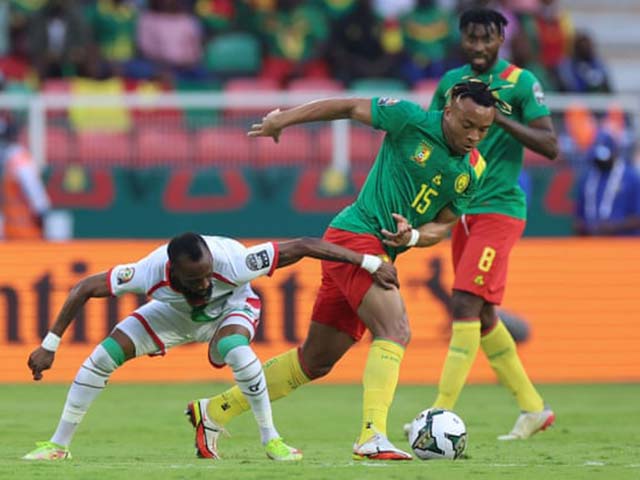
104,46
199,40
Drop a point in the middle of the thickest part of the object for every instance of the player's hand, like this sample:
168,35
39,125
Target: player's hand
268,127
386,276
402,234
39,361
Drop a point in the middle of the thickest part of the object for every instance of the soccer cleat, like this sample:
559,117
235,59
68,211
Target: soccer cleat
529,423
378,447
207,431
48,451
279,451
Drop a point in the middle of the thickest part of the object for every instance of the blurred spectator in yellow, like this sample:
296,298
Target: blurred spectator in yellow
356,49
608,195
23,197
295,34
429,34
583,72
113,28
58,37
171,38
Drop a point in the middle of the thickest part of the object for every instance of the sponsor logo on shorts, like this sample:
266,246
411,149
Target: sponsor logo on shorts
125,275
462,182
258,261
479,280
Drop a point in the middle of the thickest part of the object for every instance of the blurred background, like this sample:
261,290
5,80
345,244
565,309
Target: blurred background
126,120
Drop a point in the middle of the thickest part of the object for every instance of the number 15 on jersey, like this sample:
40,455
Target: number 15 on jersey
422,201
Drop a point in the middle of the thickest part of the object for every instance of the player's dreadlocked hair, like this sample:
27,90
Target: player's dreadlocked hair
190,244
475,89
483,16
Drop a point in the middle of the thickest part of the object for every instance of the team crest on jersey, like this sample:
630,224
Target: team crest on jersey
462,182
125,275
422,154
387,101
257,261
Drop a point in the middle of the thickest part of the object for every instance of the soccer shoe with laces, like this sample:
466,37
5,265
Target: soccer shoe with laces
207,431
378,447
279,451
48,451
529,423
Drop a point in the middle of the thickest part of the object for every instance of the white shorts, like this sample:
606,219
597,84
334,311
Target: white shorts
155,327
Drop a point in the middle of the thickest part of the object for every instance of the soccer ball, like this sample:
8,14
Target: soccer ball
436,434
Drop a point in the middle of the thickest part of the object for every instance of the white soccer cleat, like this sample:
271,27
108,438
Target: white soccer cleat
378,447
48,451
207,431
529,423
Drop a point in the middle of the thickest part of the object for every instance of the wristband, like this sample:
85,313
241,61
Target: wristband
415,236
51,342
370,263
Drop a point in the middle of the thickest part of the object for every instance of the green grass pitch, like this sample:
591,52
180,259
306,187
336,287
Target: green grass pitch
139,432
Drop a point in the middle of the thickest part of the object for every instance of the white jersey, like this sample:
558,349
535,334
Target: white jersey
234,266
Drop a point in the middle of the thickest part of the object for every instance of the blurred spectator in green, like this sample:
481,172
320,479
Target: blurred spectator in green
356,49
608,195
58,39
113,27
295,35
429,34
171,39
583,72
215,15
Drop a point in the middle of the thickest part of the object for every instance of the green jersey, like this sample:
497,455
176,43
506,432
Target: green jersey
415,173
500,192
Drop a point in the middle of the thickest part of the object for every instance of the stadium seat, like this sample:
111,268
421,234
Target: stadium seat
103,149
249,85
199,117
364,144
58,147
113,118
312,85
227,146
294,148
157,117
235,53
378,86
155,147
56,86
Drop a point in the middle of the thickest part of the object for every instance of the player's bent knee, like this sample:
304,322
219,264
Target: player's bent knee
466,305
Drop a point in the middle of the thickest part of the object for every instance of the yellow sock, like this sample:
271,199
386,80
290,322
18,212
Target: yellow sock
501,351
379,381
283,374
463,347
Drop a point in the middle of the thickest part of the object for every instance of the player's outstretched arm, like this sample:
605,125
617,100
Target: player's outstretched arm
274,122
42,357
383,273
425,235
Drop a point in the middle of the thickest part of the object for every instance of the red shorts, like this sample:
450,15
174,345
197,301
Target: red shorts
344,285
481,244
